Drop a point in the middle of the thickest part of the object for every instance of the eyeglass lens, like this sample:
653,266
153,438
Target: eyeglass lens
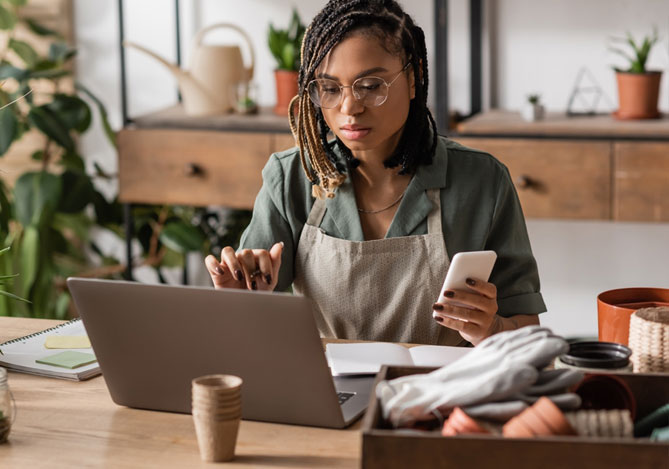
369,91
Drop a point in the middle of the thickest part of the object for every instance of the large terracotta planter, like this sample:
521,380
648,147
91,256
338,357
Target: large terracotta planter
286,89
615,308
637,95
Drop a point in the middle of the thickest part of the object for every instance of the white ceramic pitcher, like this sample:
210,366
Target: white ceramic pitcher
214,69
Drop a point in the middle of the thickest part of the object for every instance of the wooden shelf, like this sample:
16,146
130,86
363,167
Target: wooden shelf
502,123
175,118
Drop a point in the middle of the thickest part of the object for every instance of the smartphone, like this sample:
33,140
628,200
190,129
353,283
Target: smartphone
464,265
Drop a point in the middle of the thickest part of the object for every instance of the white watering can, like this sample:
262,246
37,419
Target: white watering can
214,70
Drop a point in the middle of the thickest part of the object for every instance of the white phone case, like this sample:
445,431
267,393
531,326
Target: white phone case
464,265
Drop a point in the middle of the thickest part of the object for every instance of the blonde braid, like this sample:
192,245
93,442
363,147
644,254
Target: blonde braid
324,177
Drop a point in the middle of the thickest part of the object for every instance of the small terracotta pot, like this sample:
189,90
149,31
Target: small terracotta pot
286,89
602,391
615,307
637,95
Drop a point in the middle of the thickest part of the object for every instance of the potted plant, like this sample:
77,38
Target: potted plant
285,46
638,88
533,110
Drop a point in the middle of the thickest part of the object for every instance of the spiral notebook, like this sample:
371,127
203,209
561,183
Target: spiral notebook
21,354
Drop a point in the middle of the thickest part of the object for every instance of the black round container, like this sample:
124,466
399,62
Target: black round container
597,355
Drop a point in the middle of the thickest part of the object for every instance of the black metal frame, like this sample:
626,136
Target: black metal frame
127,207
441,60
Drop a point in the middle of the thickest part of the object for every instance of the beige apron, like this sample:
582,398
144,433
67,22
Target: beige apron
379,290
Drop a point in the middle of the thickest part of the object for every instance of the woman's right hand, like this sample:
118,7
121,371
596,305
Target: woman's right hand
254,269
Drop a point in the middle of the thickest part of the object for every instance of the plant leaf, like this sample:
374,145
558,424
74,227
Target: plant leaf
9,71
18,3
35,197
77,191
182,237
60,52
62,304
72,111
25,51
7,18
40,29
13,296
30,254
48,123
72,161
111,135
8,127
5,212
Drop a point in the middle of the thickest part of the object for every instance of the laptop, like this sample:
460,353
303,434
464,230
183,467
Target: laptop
152,340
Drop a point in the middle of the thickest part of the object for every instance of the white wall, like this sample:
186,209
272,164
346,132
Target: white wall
537,45
541,45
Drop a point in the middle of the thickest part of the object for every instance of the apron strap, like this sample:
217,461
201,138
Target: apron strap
434,217
316,214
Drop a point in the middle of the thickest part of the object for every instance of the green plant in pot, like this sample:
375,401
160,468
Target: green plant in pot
285,46
53,214
638,88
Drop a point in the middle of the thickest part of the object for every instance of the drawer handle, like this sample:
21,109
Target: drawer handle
192,170
524,182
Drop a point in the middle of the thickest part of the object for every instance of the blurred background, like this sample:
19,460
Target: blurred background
593,188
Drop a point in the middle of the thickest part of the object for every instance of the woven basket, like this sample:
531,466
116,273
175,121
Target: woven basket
649,340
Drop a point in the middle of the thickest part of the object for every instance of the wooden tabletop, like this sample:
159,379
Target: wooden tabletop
504,123
75,424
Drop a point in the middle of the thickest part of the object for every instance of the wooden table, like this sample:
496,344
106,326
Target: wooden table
76,424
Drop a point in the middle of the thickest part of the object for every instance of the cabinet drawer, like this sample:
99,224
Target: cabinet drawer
641,181
555,178
191,167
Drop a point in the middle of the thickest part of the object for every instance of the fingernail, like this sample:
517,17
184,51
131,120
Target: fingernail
471,282
239,274
254,286
218,270
281,243
268,279
437,307
439,319
449,294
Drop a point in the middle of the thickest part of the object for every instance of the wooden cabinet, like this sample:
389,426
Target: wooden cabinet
579,168
170,158
554,178
641,181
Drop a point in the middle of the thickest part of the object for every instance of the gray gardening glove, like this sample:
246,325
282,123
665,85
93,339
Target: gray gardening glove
501,366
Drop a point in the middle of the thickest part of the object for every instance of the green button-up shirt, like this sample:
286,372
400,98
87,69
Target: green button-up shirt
479,210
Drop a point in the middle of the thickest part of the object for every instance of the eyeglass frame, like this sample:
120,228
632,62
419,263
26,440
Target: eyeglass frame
341,88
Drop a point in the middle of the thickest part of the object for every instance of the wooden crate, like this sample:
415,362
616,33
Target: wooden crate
384,447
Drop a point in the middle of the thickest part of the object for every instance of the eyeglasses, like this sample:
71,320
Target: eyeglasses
369,91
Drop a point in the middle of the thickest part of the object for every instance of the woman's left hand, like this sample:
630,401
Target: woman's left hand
475,321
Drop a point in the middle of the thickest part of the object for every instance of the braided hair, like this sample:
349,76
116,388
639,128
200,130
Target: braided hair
398,34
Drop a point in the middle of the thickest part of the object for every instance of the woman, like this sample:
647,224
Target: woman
367,234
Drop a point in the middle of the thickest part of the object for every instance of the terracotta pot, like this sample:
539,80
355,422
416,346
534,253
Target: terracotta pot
615,307
286,89
602,391
637,95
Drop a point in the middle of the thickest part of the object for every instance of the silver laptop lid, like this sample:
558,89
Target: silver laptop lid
152,340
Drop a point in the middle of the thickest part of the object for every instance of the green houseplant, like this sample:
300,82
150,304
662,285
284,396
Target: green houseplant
50,215
638,88
285,46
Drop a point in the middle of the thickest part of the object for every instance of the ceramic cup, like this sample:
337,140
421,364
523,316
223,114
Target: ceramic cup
217,411
615,307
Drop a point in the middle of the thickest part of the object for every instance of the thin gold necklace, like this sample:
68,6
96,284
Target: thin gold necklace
386,208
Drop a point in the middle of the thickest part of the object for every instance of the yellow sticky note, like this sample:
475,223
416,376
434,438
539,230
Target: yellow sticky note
67,341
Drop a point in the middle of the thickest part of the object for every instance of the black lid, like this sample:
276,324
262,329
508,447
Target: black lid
597,355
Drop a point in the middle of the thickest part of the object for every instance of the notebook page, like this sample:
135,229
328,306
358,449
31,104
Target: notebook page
437,355
20,354
367,358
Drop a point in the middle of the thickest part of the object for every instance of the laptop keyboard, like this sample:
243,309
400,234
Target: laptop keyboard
344,396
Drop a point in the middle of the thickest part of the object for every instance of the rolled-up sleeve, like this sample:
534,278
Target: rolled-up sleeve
515,274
